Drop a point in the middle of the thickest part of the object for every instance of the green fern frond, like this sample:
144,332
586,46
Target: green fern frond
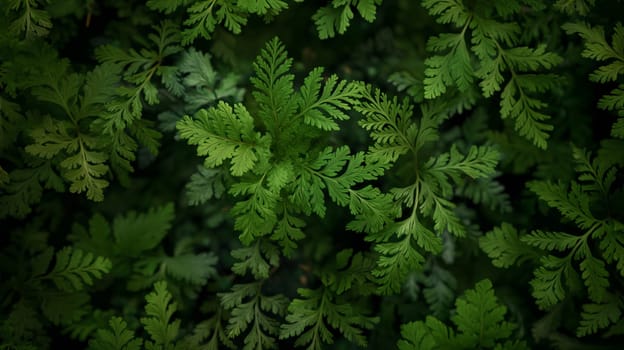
479,320
320,103
575,203
139,70
135,233
599,49
119,337
159,310
599,316
452,65
504,246
26,186
308,320
74,269
336,16
257,259
33,20
245,300
223,133
193,268
581,7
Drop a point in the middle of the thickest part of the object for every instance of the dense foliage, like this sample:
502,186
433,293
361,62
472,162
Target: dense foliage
264,174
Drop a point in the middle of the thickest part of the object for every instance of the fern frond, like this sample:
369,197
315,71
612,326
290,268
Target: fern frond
203,18
336,16
257,259
335,97
135,233
480,323
247,299
159,310
308,319
598,48
599,316
119,337
204,185
193,268
32,20
505,248
75,269
223,133
273,85
582,7
25,188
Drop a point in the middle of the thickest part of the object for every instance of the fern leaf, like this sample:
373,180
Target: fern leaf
396,260
454,68
389,124
350,271
202,84
612,246
574,206
330,19
439,291
255,216
159,310
135,233
193,268
488,192
335,97
598,48
257,259
262,7
480,322
551,240
447,11
65,308
288,230
119,337
223,133
75,269
212,329
26,187
309,318
415,335
140,68
32,20
481,304
204,185
274,86
582,7
596,278
598,316
478,163
204,17
529,122
504,247
262,327
547,285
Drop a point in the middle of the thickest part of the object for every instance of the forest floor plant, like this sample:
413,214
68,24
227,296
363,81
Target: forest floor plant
283,174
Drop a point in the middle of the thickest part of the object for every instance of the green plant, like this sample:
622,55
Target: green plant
286,174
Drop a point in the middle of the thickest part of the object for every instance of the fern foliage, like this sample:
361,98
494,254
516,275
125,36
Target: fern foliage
158,324
568,255
479,322
203,17
598,48
266,163
497,46
427,197
435,174
336,16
